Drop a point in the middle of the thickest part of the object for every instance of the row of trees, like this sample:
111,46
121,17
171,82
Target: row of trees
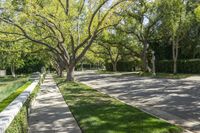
111,30
170,28
67,29
22,58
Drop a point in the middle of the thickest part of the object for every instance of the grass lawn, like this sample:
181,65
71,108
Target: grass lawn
105,72
158,75
8,85
4,103
98,113
162,75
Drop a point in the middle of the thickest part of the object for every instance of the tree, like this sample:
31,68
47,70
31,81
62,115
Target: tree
11,57
114,45
108,48
58,65
197,13
140,20
189,47
67,29
92,58
176,22
109,52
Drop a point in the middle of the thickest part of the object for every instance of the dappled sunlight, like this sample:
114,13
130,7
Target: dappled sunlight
50,113
177,97
132,53
98,112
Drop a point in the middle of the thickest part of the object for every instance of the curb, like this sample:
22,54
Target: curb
154,112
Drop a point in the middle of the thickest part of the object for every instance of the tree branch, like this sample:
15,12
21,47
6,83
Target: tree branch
94,14
27,36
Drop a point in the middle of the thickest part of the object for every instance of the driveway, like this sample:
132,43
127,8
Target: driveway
175,100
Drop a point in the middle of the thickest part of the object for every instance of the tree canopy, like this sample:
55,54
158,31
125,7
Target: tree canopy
70,32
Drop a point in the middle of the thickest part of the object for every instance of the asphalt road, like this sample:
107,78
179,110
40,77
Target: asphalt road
175,100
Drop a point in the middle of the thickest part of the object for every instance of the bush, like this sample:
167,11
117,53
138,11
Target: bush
122,66
109,67
87,66
183,66
165,66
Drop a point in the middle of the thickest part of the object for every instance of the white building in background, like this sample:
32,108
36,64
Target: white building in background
2,73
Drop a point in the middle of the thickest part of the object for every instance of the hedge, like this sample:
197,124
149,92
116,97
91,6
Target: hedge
123,66
87,66
183,66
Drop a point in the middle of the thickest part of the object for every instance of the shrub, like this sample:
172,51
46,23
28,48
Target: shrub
109,67
87,66
122,66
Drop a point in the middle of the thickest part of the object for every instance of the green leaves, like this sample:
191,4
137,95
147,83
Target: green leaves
197,13
10,56
175,18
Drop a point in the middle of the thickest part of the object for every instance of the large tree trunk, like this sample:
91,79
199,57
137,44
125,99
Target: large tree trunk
144,57
175,67
81,66
60,72
57,70
70,73
13,71
114,64
175,56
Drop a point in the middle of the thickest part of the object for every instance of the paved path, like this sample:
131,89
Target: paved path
50,113
177,101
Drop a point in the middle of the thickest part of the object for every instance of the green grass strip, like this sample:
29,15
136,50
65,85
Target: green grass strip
166,75
142,74
9,99
20,123
8,85
99,113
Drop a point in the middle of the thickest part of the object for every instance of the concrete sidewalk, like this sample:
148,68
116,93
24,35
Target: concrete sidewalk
50,113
